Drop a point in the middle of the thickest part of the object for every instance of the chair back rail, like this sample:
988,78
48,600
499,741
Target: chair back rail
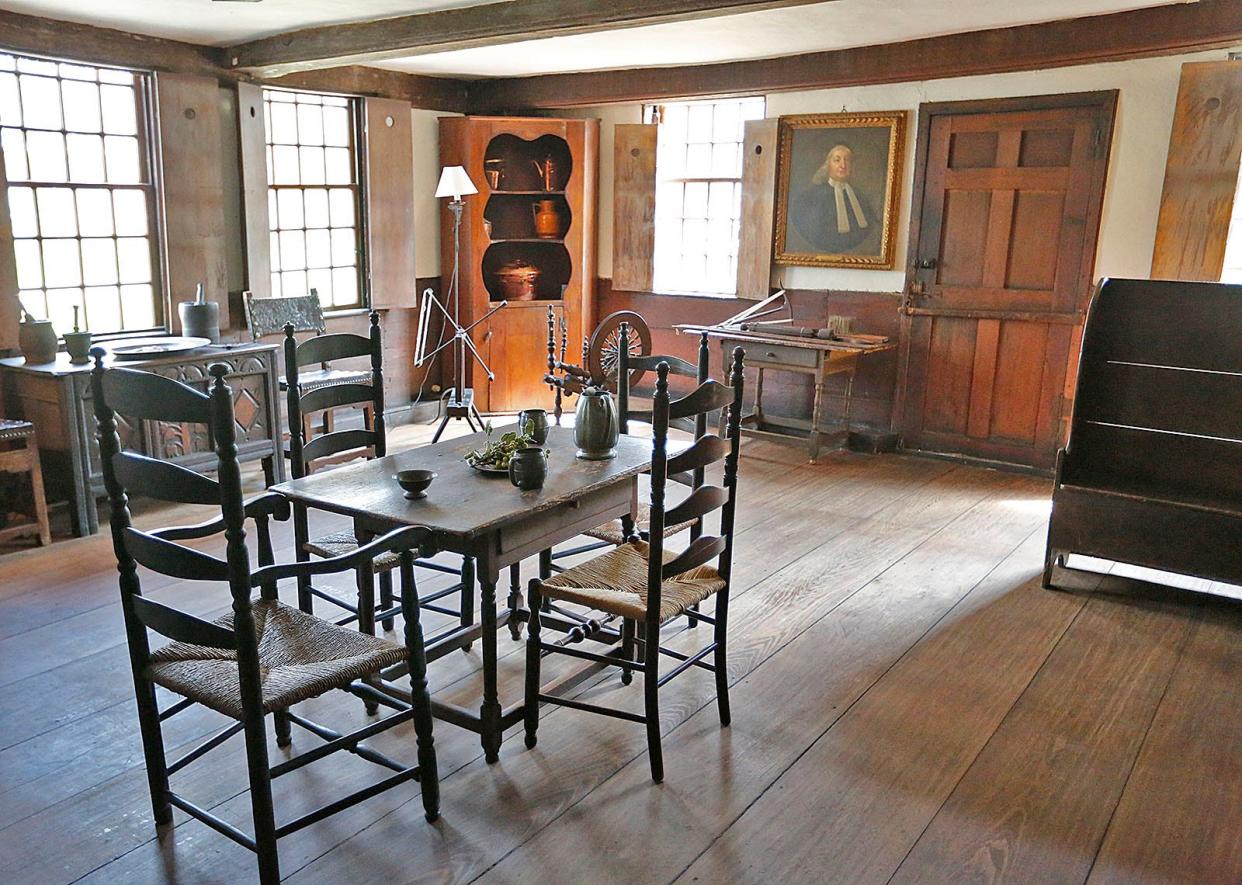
327,444
335,396
267,316
330,347
136,394
707,397
701,501
676,365
707,448
173,559
164,480
181,626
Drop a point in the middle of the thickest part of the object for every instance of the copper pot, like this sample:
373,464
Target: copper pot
518,279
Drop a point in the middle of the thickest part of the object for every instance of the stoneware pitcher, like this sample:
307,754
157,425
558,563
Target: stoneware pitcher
596,427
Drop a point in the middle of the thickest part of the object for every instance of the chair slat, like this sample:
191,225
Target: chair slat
137,394
338,441
163,480
334,395
702,500
707,397
269,315
707,449
337,346
702,549
172,559
676,365
182,627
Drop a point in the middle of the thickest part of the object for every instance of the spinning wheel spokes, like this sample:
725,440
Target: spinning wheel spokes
604,353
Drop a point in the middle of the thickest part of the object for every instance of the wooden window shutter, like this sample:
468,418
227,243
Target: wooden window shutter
252,145
9,305
390,202
754,248
192,177
633,206
1201,173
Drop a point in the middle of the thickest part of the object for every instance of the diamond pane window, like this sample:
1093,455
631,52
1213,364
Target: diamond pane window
81,198
313,196
699,192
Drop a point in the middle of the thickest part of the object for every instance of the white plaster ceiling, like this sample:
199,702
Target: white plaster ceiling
822,26
222,24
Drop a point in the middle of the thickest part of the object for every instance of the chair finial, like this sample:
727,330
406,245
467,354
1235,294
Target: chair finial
218,371
98,353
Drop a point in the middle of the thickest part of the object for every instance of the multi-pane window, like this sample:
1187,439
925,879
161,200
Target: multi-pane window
699,193
314,196
81,198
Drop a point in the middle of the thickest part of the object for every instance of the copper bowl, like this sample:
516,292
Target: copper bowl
518,280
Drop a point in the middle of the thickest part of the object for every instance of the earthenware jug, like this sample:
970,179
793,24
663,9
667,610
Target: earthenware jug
37,339
596,427
547,219
528,468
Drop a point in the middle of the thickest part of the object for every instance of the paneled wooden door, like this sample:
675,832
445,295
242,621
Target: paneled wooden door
1006,211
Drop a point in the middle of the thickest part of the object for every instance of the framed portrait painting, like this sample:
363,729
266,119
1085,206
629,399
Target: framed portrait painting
838,179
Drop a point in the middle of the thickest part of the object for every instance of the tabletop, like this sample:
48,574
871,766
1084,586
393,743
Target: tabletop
461,500
61,366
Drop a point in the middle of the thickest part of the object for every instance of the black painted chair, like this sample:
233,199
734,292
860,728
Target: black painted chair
643,583
369,441
262,656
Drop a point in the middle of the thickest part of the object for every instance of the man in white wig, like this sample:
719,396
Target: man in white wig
830,214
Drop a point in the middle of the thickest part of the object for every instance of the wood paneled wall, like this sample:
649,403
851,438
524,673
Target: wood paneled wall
783,392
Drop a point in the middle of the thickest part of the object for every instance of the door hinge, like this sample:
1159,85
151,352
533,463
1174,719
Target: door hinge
1097,141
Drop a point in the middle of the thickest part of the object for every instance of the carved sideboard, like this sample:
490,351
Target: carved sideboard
56,397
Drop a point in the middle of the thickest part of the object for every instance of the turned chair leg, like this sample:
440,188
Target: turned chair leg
627,649
284,729
153,751
386,598
651,698
533,659
720,660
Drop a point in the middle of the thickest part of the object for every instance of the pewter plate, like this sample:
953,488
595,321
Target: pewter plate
149,348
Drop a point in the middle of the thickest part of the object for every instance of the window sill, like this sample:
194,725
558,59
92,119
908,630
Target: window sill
346,312
696,295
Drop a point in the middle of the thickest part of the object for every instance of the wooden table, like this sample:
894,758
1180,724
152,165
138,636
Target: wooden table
487,519
808,356
56,398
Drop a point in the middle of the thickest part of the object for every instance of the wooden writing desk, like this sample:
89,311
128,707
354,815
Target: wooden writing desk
808,356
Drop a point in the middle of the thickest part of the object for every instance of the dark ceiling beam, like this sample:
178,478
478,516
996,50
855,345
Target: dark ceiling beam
59,39
106,46
484,25
1164,30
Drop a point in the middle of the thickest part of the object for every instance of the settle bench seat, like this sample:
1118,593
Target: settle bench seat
1150,474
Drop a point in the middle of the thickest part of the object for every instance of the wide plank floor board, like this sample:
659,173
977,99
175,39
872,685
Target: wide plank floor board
908,705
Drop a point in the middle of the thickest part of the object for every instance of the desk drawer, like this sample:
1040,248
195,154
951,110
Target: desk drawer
780,354
563,521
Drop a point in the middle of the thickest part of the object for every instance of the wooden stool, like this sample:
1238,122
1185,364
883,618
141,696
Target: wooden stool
19,453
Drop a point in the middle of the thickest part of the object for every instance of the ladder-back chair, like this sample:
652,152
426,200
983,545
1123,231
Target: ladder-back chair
269,316
262,656
646,585
369,441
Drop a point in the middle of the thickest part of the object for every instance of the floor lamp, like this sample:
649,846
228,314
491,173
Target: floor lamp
455,183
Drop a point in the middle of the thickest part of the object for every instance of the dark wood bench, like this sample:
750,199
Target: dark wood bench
1152,472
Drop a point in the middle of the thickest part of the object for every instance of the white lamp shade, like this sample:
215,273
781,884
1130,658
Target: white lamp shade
455,183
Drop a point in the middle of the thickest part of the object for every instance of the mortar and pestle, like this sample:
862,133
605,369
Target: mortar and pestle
77,342
200,318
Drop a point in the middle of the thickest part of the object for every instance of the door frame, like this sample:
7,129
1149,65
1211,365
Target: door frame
1106,101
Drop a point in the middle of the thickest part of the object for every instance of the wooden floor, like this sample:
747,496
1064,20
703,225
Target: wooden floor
909,705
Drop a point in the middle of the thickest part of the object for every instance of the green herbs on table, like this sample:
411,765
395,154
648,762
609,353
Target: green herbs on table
497,453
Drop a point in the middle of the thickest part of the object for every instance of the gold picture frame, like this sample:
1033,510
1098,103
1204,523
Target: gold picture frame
838,182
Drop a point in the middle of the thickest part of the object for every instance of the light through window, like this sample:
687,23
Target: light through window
699,193
313,196
81,198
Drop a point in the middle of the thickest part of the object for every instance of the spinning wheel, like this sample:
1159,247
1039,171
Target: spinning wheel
603,353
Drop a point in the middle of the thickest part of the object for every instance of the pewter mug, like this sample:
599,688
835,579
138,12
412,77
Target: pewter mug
596,426
534,422
528,468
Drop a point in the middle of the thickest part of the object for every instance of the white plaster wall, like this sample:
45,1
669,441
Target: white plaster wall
1148,92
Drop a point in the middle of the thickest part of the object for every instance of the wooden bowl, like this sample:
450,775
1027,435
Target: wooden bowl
415,482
